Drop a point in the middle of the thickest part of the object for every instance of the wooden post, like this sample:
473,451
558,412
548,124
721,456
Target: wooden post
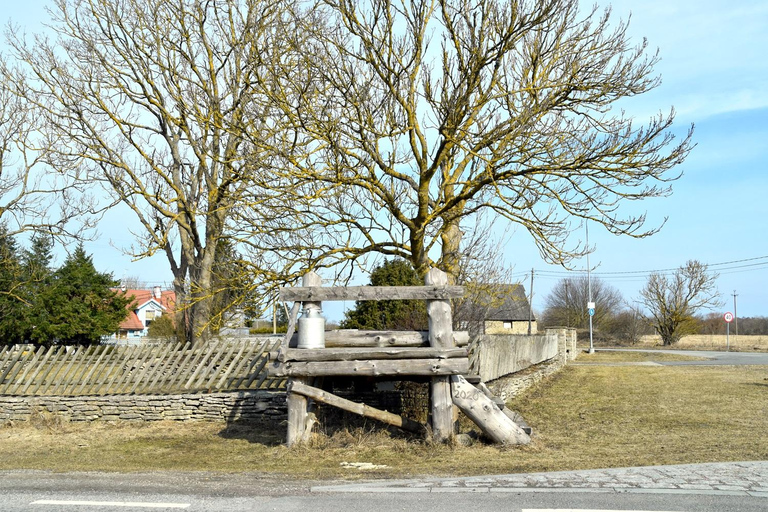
440,336
298,413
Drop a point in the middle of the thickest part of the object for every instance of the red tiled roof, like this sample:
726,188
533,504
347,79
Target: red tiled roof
167,299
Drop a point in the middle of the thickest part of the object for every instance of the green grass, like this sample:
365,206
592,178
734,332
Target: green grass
584,417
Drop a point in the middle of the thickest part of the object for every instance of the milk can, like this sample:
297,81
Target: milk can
311,329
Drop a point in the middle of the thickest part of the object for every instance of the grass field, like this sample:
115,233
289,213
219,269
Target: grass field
584,417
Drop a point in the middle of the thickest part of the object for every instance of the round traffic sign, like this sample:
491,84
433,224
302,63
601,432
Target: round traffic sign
728,317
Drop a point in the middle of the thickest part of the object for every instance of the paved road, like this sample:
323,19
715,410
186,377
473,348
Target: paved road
721,487
712,357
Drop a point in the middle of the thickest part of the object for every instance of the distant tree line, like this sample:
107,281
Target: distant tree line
73,304
673,306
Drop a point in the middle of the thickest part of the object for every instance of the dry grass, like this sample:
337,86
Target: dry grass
633,357
585,417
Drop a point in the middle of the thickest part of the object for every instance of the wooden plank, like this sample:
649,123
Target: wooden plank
486,415
39,369
170,366
371,368
108,378
93,370
54,374
132,367
250,357
297,414
363,293
230,367
33,366
149,364
12,364
78,373
199,364
358,338
263,374
441,335
359,353
22,358
225,362
357,408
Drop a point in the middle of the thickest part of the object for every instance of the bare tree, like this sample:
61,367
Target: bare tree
158,102
566,304
33,196
424,113
674,300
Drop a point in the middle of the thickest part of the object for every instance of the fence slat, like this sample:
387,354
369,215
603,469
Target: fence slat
152,364
109,369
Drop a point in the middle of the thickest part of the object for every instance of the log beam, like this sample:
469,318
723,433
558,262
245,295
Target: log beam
364,353
363,410
307,293
371,368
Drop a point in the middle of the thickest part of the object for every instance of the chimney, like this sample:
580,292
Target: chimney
158,292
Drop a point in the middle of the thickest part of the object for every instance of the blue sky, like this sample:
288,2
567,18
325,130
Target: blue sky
715,73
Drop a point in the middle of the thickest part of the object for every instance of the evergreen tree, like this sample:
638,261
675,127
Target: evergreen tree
11,303
392,314
80,305
36,279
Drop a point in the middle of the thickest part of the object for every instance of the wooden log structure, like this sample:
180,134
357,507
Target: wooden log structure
371,368
363,410
440,336
436,291
479,408
360,338
364,353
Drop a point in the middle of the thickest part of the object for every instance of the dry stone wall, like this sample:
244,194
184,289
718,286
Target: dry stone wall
241,406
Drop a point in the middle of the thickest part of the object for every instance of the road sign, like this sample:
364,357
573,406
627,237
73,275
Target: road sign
591,311
728,317
590,305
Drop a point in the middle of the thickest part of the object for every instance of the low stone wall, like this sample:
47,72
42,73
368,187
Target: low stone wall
498,355
510,386
240,406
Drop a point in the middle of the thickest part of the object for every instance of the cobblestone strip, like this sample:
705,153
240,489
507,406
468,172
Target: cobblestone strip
740,478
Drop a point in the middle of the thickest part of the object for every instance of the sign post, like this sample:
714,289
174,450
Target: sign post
728,317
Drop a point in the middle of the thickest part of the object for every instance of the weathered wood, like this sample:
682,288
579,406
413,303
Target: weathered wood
371,368
486,415
361,353
357,338
305,293
440,336
297,415
354,407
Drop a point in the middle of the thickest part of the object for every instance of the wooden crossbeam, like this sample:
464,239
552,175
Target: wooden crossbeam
371,368
367,411
363,353
356,338
318,293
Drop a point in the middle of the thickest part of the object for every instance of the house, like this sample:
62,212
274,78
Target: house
510,313
147,306
497,309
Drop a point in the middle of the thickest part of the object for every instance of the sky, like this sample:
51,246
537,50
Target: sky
715,74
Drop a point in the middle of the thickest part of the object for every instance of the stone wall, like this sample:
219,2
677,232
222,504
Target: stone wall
497,355
240,406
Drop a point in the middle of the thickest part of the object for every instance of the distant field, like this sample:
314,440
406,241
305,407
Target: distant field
710,342
584,417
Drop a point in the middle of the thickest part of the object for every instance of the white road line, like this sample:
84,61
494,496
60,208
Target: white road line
580,510
110,504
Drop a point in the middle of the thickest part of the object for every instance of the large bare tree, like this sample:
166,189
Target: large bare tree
158,101
674,300
423,113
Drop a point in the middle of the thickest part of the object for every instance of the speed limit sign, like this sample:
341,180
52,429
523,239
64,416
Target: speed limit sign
728,317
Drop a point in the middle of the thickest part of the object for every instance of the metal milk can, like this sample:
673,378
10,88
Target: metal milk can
311,329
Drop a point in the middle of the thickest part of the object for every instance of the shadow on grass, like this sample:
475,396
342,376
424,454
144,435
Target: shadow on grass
256,432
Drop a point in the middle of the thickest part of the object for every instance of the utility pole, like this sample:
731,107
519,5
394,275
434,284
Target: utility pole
735,315
567,306
590,305
530,305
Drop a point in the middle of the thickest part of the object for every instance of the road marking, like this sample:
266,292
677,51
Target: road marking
111,504
580,510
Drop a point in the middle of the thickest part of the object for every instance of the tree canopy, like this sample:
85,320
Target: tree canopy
421,114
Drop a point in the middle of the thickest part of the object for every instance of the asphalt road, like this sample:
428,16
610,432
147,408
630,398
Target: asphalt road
713,358
646,489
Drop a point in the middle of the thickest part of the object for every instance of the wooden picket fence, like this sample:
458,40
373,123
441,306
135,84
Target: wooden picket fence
139,369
